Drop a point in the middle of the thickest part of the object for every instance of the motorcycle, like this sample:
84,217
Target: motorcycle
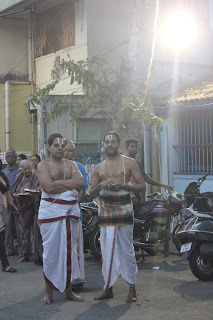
154,223
91,232
195,233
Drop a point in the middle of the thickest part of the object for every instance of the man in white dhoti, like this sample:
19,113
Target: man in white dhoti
58,217
111,183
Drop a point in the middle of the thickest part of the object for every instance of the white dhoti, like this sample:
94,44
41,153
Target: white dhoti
78,267
118,255
58,218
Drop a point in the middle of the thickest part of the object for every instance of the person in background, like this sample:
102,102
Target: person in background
38,249
11,171
4,187
27,205
20,157
35,159
110,182
132,149
78,270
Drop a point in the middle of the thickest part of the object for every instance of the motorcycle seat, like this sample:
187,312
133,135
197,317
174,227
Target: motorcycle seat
150,210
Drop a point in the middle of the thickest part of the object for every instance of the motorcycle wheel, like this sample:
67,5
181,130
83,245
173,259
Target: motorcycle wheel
201,267
94,243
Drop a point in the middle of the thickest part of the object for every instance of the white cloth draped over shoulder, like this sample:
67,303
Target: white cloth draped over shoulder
58,218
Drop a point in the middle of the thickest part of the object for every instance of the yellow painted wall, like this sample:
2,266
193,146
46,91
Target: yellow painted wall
23,134
45,64
2,119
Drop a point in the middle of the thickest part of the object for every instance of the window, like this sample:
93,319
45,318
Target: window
195,142
55,29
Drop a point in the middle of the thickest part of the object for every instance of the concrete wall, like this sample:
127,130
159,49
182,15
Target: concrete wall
45,64
14,57
81,22
181,182
23,128
108,29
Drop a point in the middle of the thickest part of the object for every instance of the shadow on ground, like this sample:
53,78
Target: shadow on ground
195,290
104,311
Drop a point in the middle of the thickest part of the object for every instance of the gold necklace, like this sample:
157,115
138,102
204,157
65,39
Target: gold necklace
115,171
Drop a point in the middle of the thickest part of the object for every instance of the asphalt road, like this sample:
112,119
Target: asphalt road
172,292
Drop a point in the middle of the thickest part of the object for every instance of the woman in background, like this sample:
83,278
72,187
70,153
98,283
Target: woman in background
4,187
27,206
20,157
35,159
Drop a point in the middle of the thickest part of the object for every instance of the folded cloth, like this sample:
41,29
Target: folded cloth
115,209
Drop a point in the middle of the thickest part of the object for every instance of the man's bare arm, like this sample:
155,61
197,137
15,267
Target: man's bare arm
59,186
139,185
81,195
95,184
155,182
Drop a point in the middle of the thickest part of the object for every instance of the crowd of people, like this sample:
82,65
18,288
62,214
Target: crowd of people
40,201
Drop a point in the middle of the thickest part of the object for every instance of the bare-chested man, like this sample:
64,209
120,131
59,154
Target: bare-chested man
111,183
58,217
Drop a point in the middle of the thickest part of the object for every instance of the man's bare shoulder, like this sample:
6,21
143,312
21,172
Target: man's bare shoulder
129,160
44,163
98,166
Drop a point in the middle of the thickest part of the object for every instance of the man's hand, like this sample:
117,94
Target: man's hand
106,184
168,187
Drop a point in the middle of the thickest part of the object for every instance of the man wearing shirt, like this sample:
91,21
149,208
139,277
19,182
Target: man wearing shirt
11,172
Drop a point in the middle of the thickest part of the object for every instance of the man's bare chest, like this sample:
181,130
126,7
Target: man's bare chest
60,172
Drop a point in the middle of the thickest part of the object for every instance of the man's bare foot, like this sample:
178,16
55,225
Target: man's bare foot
107,294
70,295
47,299
48,295
132,295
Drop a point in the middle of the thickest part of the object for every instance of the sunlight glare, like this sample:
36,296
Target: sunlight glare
179,31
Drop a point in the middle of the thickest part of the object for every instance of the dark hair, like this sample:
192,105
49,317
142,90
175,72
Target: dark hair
53,136
22,156
36,156
115,134
11,150
1,164
132,140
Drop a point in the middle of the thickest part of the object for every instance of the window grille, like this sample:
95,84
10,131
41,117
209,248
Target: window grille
195,142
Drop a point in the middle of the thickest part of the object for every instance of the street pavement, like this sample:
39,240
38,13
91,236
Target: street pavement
171,292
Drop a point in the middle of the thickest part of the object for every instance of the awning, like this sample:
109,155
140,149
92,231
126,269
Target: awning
18,10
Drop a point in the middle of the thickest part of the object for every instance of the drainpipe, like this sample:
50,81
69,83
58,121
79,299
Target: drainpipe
7,108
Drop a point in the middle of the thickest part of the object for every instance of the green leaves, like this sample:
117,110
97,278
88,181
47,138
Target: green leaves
103,87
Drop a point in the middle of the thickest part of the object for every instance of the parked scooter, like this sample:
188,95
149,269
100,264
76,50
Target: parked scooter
195,233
